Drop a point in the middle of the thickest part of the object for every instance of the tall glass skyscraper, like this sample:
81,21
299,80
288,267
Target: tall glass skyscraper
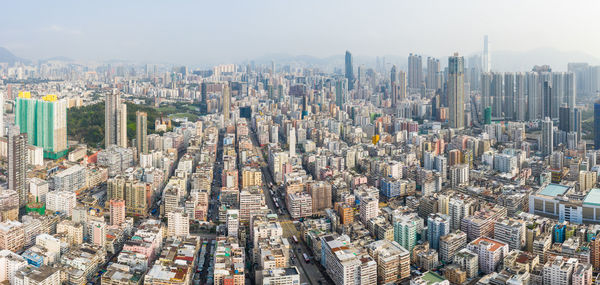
45,123
597,125
349,71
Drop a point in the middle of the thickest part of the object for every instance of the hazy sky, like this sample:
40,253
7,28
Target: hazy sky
220,31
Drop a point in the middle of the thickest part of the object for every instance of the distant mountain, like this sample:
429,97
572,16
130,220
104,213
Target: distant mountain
58,58
7,56
524,61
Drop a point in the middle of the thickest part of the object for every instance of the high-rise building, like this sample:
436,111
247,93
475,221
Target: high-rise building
320,192
122,126
509,96
393,261
341,92
496,94
2,130
292,141
226,102
597,125
533,96
17,164
415,71
45,123
433,73
111,113
438,225
547,143
547,98
486,90
117,212
520,97
369,208
405,231
141,131
486,58
559,270
456,92
349,70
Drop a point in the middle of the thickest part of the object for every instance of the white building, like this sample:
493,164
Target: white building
490,253
558,270
178,223
38,188
61,201
45,275
233,222
10,263
280,276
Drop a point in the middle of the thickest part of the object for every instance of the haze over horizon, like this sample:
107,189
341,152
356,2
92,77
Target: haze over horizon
233,31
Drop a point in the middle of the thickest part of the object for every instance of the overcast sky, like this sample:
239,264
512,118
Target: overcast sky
220,31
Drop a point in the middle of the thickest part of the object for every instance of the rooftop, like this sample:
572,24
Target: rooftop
593,197
432,277
554,190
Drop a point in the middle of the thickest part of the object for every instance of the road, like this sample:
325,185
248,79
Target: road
309,272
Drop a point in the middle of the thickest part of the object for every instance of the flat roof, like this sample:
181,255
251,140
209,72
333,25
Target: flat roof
593,197
432,277
554,190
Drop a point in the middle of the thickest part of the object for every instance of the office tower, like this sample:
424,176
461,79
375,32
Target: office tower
533,96
433,72
486,90
111,113
17,164
141,132
415,71
349,70
564,119
597,125
226,102
496,94
547,137
438,225
486,58
456,92
520,97
341,91
45,123
509,95
393,84
401,85
122,125
547,99
203,97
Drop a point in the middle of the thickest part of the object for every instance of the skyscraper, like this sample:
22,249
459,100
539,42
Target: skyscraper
547,137
438,225
486,90
597,125
509,95
141,132
122,125
349,74
547,98
486,58
45,123
456,93
2,132
111,107
496,94
520,97
433,71
415,71
533,96
341,89
226,102
292,141
17,163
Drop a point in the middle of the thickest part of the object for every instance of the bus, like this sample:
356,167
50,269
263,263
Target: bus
306,259
295,239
